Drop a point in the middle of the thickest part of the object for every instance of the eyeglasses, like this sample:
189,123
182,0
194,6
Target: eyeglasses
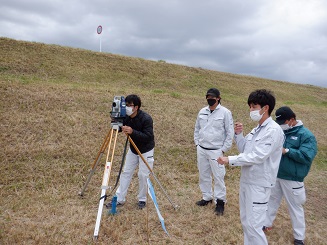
129,105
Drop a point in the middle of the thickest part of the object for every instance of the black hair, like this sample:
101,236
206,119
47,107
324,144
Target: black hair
133,99
262,97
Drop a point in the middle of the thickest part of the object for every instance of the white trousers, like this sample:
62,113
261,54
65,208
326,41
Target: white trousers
208,167
132,161
294,193
253,210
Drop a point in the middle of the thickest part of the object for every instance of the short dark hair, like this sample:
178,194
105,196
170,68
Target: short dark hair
133,99
262,97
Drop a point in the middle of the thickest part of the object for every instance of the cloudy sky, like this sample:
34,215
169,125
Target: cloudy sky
276,39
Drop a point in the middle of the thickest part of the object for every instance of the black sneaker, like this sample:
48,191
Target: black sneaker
203,202
141,204
109,204
298,242
220,207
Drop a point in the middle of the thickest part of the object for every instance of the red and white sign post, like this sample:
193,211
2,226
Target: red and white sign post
99,30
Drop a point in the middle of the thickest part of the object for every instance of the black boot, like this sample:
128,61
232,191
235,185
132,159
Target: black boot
220,207
203,202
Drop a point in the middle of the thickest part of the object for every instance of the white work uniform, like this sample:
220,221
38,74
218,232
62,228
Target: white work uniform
261,151
294,193
213,135
132,161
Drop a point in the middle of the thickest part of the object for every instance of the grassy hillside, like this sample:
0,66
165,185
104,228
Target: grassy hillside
54,115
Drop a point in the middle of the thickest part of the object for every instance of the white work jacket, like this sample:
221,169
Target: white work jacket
214,130
261,151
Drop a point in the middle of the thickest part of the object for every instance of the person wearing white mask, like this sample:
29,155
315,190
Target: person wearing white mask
139,126
299,150
260,154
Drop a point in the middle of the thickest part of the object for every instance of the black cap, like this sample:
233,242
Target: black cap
213,92
284,113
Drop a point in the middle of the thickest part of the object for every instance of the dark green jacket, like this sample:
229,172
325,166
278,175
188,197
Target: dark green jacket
302,146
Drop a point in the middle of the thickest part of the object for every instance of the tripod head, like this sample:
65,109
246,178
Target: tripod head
116,124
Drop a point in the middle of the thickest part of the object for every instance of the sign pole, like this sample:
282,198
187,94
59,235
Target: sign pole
99,31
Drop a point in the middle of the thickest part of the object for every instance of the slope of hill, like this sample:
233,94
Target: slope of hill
54,115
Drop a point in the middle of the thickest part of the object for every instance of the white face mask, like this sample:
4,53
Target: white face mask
255,115
285,126
129,110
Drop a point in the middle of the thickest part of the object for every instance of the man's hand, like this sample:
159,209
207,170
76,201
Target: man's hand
285,150
127,130
223,160
238,128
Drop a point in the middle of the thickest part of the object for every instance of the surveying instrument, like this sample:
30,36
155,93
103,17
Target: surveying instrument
118,115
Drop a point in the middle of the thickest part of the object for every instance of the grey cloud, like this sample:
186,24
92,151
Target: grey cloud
254,37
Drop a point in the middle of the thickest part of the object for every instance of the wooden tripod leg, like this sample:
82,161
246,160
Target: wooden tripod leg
105,182
114,145
139,153
97,160
151,171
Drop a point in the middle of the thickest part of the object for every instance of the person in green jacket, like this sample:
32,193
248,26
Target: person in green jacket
299,150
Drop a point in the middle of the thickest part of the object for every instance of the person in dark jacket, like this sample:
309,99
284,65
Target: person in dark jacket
299,150
139,126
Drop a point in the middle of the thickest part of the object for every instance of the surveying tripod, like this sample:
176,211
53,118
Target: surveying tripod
107,142
110,143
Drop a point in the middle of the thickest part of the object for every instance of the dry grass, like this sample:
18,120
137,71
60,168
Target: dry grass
54,115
